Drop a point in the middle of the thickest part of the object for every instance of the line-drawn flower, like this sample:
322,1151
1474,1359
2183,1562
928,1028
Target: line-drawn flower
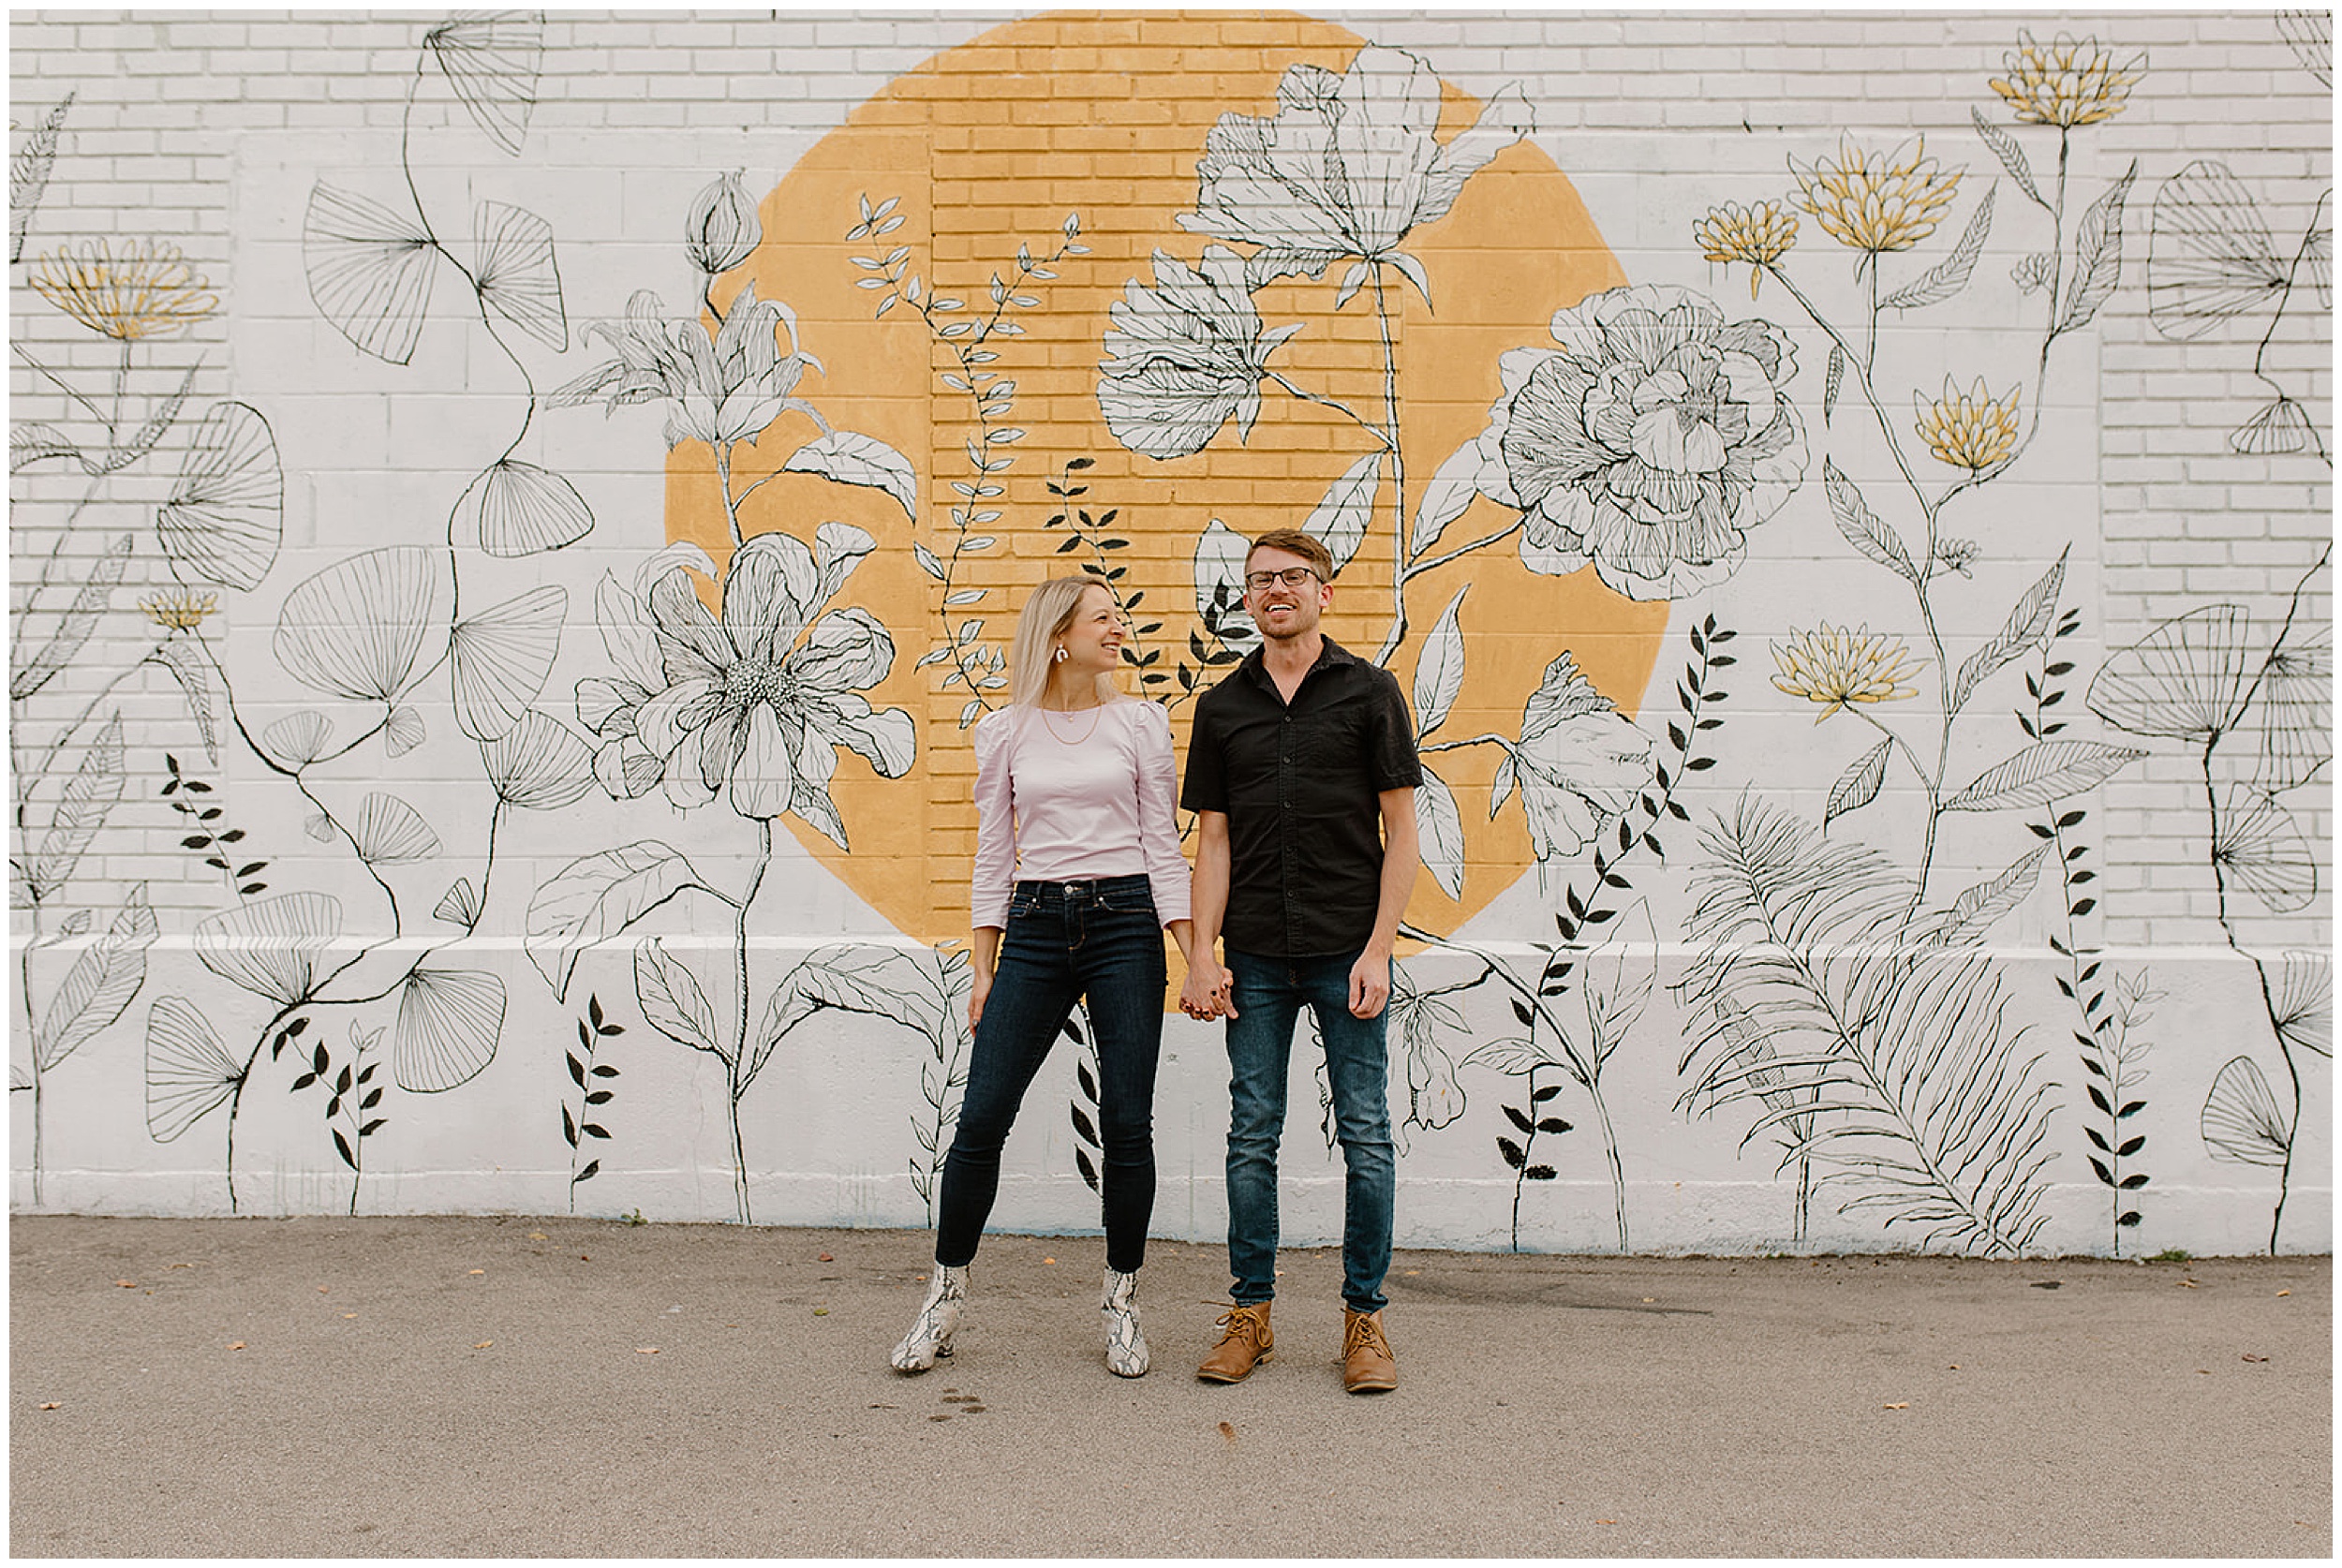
723,228
1347,166
1834,666
2241,1122
755,704
1759,235
2066,83
1418,1019
1647,443
1973,429
2257,846
724,390
1875,203
147,290
178,609
1579,762
1184,355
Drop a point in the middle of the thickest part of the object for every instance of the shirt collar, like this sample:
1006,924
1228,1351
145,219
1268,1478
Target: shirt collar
1330,655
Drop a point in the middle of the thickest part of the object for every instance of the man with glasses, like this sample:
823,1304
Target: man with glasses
1301,771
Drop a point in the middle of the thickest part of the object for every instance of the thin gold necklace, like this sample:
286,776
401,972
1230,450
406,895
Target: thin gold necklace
1050,724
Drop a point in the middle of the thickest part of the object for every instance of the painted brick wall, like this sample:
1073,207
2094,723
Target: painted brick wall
2180,463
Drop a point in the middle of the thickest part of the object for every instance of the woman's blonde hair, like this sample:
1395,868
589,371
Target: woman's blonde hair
1049,609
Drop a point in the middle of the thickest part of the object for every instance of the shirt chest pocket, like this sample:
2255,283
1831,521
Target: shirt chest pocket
1332,741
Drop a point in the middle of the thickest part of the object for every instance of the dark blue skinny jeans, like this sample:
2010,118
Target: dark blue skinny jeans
1269,994
1098,940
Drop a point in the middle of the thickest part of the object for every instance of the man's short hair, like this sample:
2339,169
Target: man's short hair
1293,542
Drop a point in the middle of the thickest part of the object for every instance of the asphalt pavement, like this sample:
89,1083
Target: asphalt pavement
517,1386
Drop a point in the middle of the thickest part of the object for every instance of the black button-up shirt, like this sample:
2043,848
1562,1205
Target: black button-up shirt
1298,784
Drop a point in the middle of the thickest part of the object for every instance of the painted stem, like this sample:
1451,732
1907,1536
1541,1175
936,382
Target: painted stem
734,1084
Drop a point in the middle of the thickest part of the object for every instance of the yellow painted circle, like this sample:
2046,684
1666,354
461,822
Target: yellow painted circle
991,145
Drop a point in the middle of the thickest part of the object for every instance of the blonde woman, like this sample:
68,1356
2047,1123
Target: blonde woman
1078,874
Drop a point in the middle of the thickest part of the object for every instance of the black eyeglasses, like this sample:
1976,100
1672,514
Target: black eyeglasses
1291,577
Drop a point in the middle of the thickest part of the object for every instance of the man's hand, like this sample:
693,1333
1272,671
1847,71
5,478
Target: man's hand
1370,984
1208,992
980,988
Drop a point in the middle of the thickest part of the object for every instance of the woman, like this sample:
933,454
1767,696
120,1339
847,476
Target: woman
1075,795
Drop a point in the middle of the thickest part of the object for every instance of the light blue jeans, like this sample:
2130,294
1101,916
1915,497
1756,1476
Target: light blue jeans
1269,995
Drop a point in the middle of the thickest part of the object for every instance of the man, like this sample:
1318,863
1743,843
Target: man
1294,761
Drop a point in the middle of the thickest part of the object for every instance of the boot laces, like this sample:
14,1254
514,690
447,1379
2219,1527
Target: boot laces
1364,1333
1238,1322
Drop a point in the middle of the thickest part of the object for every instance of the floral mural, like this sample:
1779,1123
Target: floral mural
383,837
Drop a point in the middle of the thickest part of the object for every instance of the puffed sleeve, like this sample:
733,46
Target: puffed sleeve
996,838
1157,825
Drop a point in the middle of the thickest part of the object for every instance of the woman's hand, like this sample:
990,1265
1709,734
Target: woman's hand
978,990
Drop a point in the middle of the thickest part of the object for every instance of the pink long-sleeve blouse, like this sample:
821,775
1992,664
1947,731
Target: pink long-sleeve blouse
1053,809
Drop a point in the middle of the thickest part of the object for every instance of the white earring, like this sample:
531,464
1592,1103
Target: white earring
1060,653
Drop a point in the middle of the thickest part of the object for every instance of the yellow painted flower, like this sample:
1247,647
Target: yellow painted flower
1758,235
147,290
1835,666
1873,201
179,608
2066,83
1971,430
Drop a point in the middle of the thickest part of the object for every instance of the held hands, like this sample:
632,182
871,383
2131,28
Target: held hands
1208,992
1370,984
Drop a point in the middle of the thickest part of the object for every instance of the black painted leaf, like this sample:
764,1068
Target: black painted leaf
320,1060
1595,917
1090,1085
591,1166
594,1129
2131,1146
2041,832
2129,1217
2071,819
200,841
373,1097
2095,1137
2132,1182
1540,1096
2083,907
1519,1120
304,1082
1511,1151
1699,764
1537,1173
1090,1171
2132,1109
297,1026
367,1072
605,1071
2099,1099
584,1037
370,1128
250,888
2104,1174
593,1009
2093,1066
577,1072
333,1107
1522,1011
277,1047
341,1146
608,1030
1551,1124
341,1084
568,1125
599,1097
1083,1128
1073,1030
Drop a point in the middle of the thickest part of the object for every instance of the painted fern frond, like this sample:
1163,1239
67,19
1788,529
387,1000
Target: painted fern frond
1893,1066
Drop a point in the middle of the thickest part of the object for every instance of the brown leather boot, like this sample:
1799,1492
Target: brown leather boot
1367,1365
1245,1343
